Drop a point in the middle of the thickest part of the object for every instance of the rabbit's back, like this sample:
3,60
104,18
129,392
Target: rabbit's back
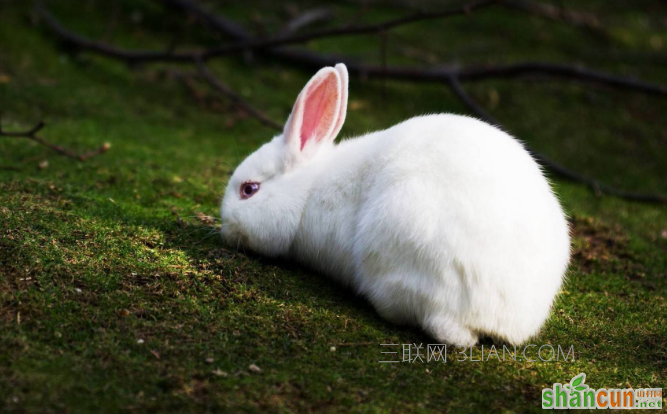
457,218
439,215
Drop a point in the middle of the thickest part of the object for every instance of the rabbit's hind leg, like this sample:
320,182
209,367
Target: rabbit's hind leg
446,330
399,300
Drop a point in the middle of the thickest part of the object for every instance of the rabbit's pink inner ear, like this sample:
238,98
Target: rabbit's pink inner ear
321,109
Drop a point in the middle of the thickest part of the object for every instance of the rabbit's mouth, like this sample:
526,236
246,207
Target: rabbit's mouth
234,237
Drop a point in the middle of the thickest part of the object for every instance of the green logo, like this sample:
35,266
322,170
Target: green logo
577,395
577,383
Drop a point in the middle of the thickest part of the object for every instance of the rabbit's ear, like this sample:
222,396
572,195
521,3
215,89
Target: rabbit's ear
342,112
316,113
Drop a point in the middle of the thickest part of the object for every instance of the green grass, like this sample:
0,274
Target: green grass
115,294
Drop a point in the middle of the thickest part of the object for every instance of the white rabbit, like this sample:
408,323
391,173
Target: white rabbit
442,221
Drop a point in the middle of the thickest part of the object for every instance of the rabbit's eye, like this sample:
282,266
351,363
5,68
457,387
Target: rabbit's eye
248,189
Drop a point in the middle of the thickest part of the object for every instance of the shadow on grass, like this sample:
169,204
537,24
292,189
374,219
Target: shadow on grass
317,290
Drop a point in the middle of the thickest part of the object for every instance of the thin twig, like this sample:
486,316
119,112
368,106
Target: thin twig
558,169
235,97
305,19
31,134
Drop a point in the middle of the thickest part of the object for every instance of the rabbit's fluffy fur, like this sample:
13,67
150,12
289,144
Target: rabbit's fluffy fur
441,221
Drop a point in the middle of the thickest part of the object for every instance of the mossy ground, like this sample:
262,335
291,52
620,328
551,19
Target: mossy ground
116,294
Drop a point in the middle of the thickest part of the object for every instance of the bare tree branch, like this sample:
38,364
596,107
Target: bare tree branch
84,43
237,32
31,134
451,75
420,74
316,60
234,30
471,73
235,97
